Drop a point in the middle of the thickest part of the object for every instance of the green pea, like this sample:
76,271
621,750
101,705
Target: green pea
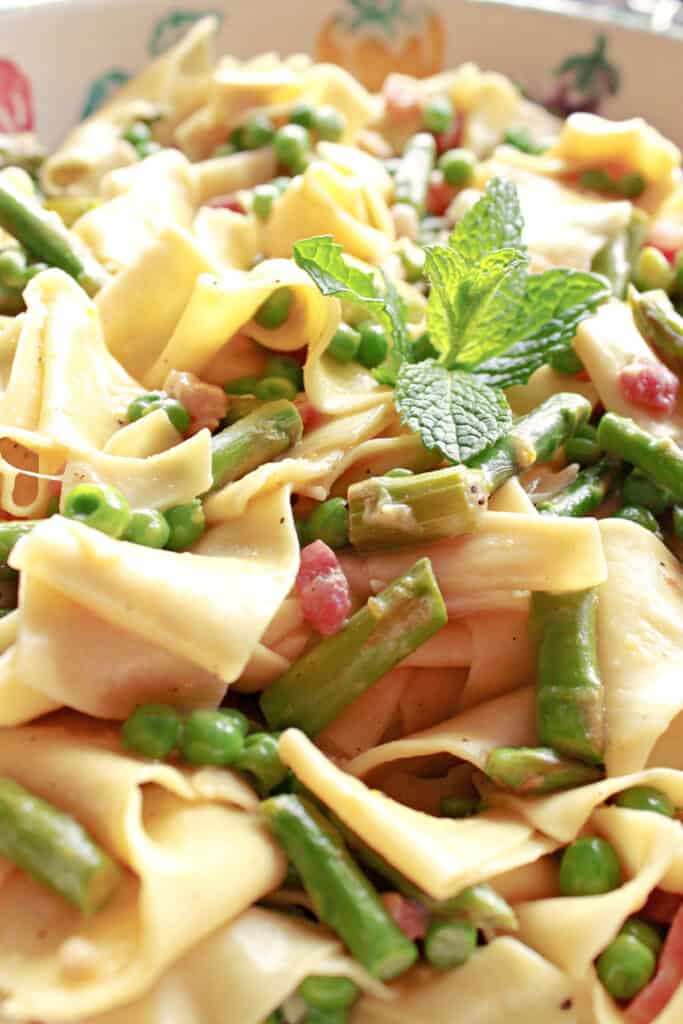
13,266
344,344
326,993
235,138
459,806
186,523
329,522
597,180
449,944
522,140
677,521
315,1016
589,866
438,115
274,1018
582,450
153,400
566,362
33,269
146,149
292,147
458,166
638,489
241,386
653,270
262,200
374,345
261,760
423,348
210,737
625,967
148,527
258,131
646,798
271,388
640,515
152,731
282,366
274,312
303,114
329,124
631,185
399,471
643,932
100,506
138,133
238,719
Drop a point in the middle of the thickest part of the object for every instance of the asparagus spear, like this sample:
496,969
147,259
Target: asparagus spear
638,489
660,458
257,438
657,320
616,259
341,895
534,771
390,510
534,438
591,487
447,502
479,904
569,691
54,848
411,183
317,687
45,241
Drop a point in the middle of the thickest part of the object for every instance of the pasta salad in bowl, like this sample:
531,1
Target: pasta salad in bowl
341,524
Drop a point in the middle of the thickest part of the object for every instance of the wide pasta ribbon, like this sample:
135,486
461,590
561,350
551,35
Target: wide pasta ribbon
84,594
194,852
173,85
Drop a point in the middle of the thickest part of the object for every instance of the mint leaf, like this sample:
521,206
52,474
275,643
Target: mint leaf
446,271
480,311
494,222
323,260
450,410
555,303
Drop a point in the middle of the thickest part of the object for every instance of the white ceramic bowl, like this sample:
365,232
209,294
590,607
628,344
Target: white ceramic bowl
58,58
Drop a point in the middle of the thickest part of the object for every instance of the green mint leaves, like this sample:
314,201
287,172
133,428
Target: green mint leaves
324,262
492,323
451,410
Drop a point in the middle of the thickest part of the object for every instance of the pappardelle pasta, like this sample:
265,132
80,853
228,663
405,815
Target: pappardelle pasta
341,633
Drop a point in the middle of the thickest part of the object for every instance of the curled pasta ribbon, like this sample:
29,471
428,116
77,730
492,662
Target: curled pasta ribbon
173,86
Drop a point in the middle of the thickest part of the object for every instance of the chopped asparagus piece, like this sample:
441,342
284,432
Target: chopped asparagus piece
341,667
660,458
54,848
533,771
260,436
591,487
657,320
391,510
341,895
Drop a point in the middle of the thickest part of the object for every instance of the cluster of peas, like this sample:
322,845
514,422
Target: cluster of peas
642,499
282,378
589,867
221,738
629,185
653,270
105,508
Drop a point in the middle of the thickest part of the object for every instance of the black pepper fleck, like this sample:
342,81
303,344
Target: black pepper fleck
566,1004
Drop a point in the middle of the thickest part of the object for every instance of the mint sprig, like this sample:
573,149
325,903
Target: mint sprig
452,411
492,323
